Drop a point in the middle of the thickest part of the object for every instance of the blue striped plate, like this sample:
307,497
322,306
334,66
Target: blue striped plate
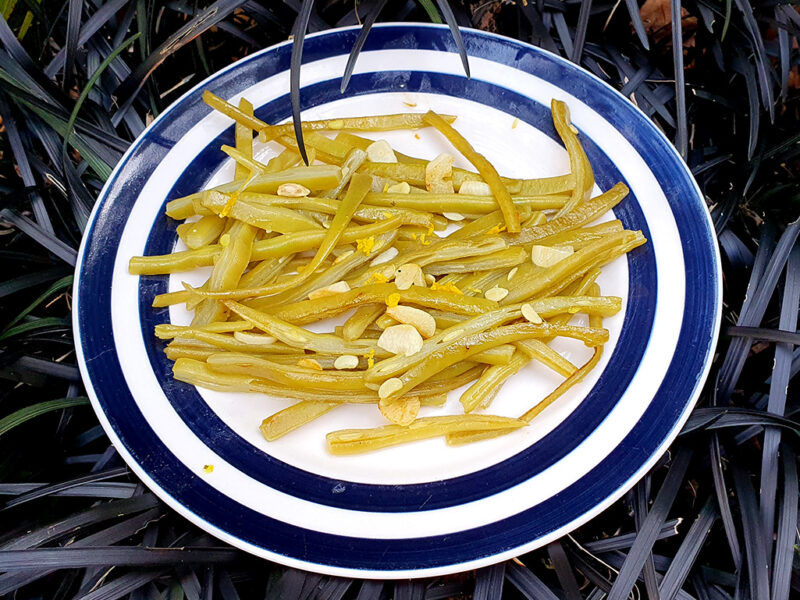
425,508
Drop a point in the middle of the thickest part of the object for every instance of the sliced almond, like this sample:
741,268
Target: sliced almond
419,319
496,294
399,188
530,314
381,152
309,363
475,188
346,361
293,190
430,279
389,387
330,290
254,339
439,175
547,256
401,339
384,257
453,216
400,411
407,275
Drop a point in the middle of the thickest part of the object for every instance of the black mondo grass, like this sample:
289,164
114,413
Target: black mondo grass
716,518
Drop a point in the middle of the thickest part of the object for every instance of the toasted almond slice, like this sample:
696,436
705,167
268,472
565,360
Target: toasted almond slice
293,190
419,319
407,275
389,387
255,339
400,411
401,339
454,216
475,188
547,256
530,314
384,257
346,361
439,175
430,279
399,188
330,290
381,152
309,363
496,294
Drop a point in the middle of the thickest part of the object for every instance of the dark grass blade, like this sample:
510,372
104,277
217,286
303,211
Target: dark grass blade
51,489
23,165
625,540
370,590
580,31
489,582
784,50
564,571
652,525
682,139
333,588
777,390
738,254
447,589
413,589
528,584
299,33
123,585
764,334
227,589
690,548
724,417
753,534
23,282
450,19
23,415
564,35
204,20
190,584
787,528
41,236
753,310
74,14
743,66
46,367
100,556
762,61
360,41
636,20
641,499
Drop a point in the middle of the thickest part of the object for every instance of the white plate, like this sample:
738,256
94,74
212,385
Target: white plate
424,508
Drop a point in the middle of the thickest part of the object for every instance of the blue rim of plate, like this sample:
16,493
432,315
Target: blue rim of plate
405,557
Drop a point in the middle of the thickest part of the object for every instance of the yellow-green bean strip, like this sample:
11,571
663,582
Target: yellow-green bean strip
315,143
201,233
228,269
264,272
266,217
364,316
582,235
170,298
362,143
285,160
483,391
180,351
541,278
449,353
287,420
358,188
229,110
504,259
447,249
228,342
298,337
290,375
243,161
483,166
244,140
374,123
461,203
315,177
479,226
355,441
541,352
175,262
355,158
579,164
581,215
398,364
167,331
310,311
499,355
